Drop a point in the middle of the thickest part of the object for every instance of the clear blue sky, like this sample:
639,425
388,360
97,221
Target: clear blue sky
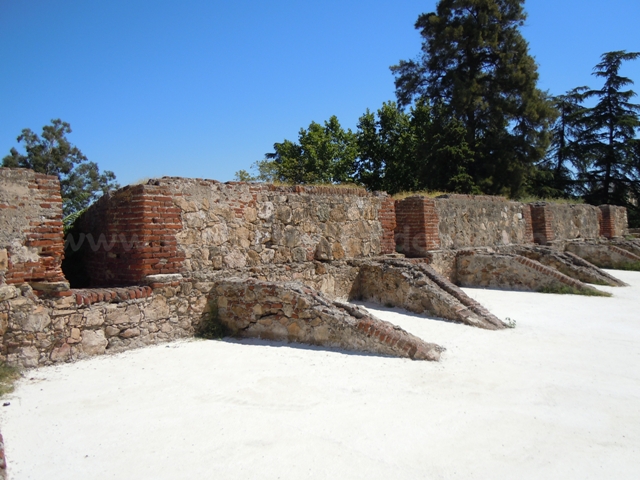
199,88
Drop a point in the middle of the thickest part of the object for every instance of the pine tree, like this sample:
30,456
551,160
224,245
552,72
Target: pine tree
610,170
476,64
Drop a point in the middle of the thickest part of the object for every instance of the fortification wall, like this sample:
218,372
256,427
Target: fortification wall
459,221
197,227
129,234
614,221
240,224
31,238
554,222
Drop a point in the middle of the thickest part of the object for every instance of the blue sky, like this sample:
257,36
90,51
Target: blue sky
198,88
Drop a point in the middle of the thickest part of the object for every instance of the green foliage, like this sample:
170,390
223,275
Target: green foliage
81,182
210,327
420,150
8,375
631,266
69,221
476,64
568,290
323,154
610,170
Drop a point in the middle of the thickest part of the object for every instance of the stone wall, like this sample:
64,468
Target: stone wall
479,221
605,255
418,288
614,222
31,238
197,227
560,222
295,313
459,221
512,272
40,331
565,262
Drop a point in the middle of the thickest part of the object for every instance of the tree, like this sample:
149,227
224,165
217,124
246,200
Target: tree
323,154
420,150
386,148
556,172
610,171
476,65
81,182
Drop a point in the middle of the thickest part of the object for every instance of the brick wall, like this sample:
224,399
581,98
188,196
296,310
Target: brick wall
130,234
387,218
416,226
31,236
614,221
541,221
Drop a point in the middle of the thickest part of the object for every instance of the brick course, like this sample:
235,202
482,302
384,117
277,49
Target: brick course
31,220
131,234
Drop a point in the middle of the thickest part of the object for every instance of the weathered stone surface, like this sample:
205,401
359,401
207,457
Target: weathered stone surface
512,272
50,287
574,221
7,292
603,254
162,278
566,263
28,356
61,353
311,318
35,321
419,289
93,342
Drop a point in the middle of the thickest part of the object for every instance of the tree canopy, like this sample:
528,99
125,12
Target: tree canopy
476,65
51,153
610,170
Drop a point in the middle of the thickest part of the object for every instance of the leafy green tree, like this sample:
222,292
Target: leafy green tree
420,150
610,171
323,154
52,154
266,171
475,63
386,150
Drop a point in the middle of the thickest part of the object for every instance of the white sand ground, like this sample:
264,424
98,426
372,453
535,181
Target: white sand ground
556,397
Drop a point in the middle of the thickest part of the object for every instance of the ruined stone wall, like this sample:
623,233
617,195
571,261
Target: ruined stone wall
128,235
459,221
198,227
614,221
31,237
555,222
511,272
482,221
39,331
295,313
235,225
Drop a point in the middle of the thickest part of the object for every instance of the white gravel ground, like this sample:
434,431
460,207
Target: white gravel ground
556,397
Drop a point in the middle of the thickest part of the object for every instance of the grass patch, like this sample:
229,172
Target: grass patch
421,193
8,375
629,266
569,290
563,201
210,327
